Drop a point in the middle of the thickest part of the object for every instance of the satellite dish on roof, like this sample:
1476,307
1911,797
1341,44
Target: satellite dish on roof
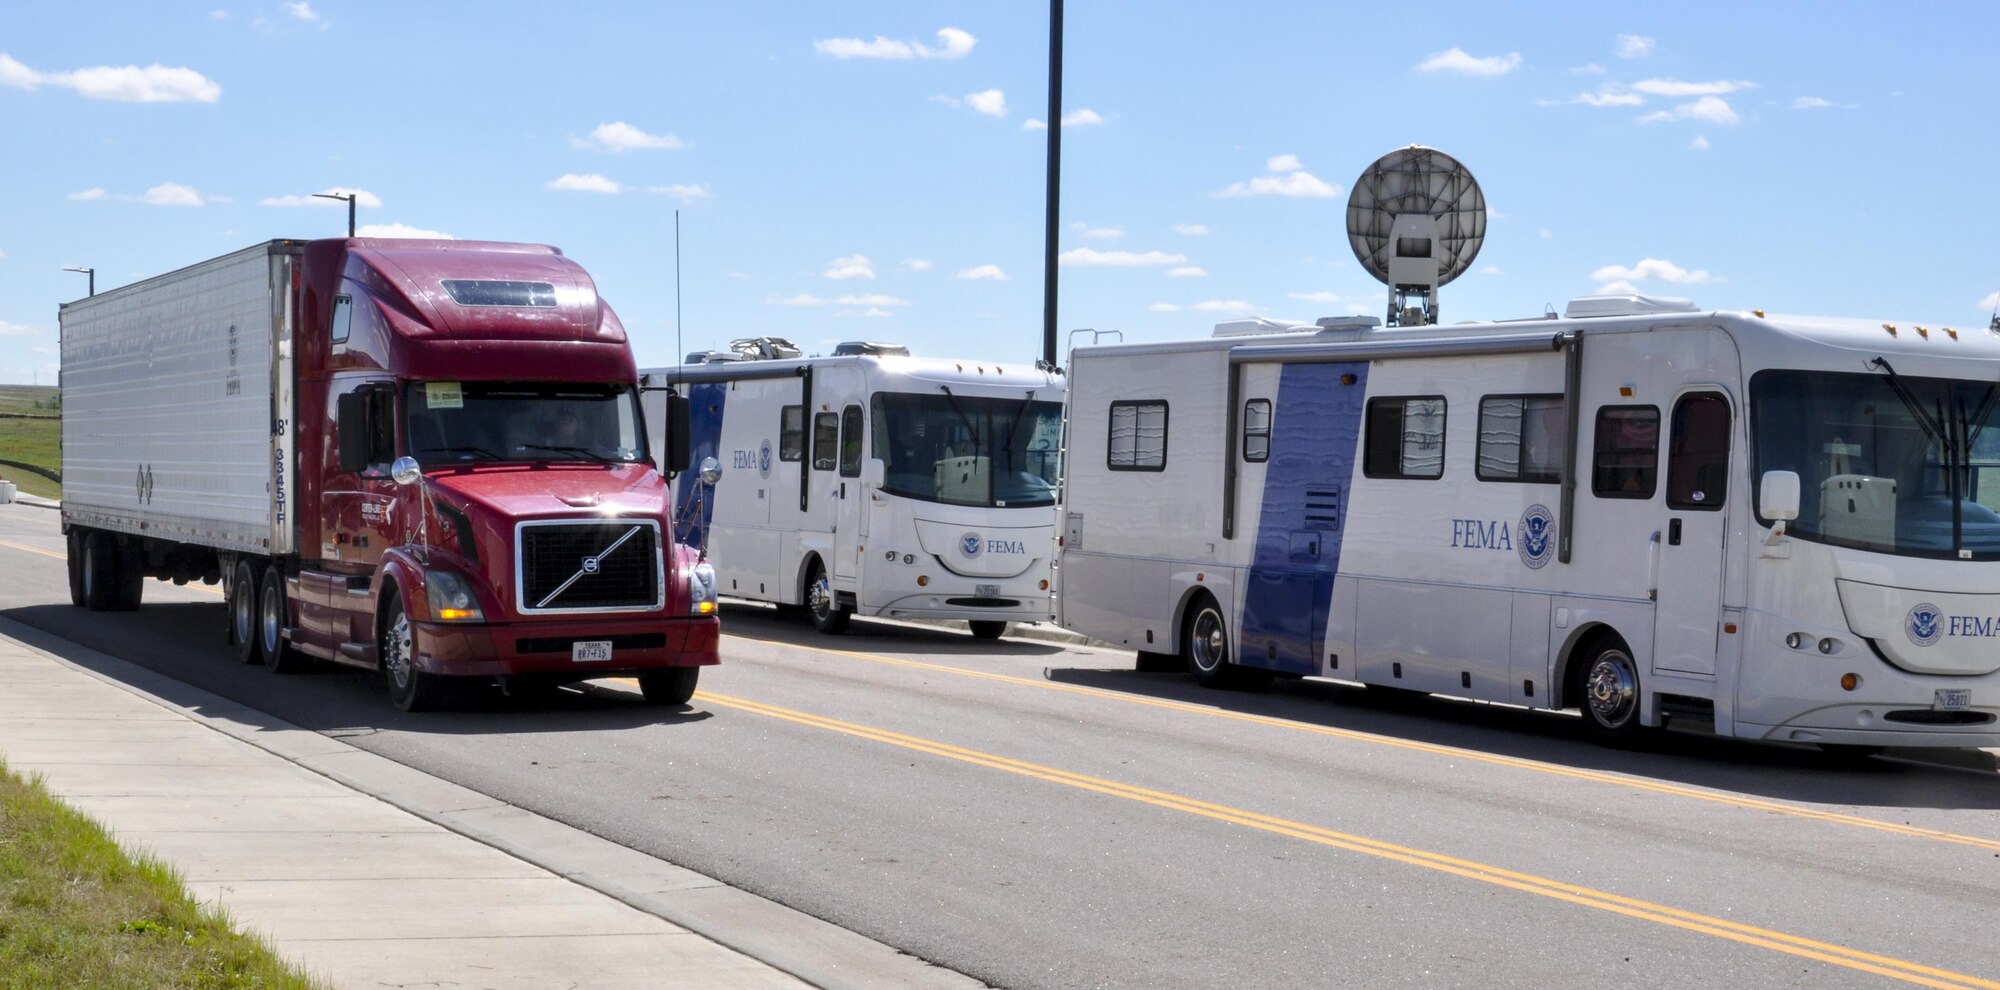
1415,219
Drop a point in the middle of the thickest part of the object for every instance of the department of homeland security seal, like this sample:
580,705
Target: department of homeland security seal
970,544
1535,540
1924,625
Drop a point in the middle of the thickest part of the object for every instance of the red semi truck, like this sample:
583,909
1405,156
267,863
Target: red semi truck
420,456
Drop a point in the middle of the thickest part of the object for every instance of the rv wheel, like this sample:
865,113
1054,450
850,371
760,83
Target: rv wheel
828,616
987,628
1206,647
1610,696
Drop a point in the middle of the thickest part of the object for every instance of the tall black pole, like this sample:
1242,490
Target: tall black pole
350,214
1055,184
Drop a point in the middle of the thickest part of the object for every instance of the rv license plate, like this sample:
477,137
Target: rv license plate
1952,700
988,590
590,651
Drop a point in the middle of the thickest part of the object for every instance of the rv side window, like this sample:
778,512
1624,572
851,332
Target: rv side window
1405,438
850,442
1521,438
1627,452
1698,459
343,314
791,433
1138,439
1257,430
826,440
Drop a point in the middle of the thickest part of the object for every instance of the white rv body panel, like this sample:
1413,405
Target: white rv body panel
176,399
937,540
1443,567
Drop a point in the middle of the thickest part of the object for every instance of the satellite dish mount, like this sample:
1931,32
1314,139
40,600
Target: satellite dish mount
1415,219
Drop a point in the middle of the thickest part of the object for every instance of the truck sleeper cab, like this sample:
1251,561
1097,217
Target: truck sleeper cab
425,457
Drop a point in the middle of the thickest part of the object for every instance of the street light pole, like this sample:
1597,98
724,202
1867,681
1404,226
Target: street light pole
92,272
349,197
1054,185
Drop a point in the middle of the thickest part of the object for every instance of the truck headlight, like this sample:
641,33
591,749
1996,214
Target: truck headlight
701,589
451,597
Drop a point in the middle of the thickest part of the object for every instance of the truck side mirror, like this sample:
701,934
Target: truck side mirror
680,446
351,426
874,473
1778,495
711,471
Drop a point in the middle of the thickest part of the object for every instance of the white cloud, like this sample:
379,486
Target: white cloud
586,182
1545,233
1092,256
983,273
1187,271
802,299
1101,233
400,230
1990,303
1164,308
870,300
173,194
808,299
1610,98
1811,103
1195,229
1456,60
916,264
1590,69
957,44
362,197
1075,118
1674,87
1490,270
1618,288
302,10
1650,269
218,14
991,102
1225,306
1634,46
130,84
1713,109
1287,178
1700,143
1313,297
686,193
89,194
16,329
1493,214
857,266
3,256
619,137
871,312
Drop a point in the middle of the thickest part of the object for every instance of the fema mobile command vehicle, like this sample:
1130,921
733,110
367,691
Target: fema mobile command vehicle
1781,527
871,482
422,456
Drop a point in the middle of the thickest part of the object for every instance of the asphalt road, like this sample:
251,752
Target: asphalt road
1038,815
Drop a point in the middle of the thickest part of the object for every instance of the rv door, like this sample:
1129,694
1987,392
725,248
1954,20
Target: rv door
1689,610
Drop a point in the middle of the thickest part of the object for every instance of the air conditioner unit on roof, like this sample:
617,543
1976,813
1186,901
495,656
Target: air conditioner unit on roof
1625,304
870,348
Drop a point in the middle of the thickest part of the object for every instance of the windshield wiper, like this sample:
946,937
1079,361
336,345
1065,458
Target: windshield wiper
455,449
1014,428
1932,427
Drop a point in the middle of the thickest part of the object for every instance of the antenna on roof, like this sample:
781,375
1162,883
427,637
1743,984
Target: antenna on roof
1415,219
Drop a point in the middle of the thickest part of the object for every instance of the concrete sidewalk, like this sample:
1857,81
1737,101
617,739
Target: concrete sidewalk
372,874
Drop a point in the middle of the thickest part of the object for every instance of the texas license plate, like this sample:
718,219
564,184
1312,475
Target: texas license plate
590,651
1951,700
988,590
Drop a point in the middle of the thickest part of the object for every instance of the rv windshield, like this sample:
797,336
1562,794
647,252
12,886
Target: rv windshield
1894,464
451,422
968,450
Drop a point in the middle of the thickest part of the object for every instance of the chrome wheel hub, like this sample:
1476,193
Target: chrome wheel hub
1612,689
396,650
1210,641
822,597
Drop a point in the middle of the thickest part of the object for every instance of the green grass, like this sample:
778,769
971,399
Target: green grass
75,911
31,441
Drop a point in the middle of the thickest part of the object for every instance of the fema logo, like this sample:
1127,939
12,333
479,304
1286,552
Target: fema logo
970,544
764,460
1924,624
1535,539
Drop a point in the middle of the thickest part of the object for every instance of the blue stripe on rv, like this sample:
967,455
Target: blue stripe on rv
1315,436
705,438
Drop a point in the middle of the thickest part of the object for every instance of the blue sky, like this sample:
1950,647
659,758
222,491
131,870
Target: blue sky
875,171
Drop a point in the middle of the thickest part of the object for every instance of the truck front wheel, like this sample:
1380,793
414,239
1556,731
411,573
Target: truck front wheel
410,689
672,686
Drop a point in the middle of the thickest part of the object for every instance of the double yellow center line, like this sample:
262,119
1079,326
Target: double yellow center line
1763,938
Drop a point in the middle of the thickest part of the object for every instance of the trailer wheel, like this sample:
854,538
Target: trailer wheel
100,572
987,628
75,555
672,686
410,689
243,612
1207,649
280,657
131,573
828,616
1609,695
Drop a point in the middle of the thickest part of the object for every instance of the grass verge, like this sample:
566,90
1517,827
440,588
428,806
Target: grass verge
76,911
36,441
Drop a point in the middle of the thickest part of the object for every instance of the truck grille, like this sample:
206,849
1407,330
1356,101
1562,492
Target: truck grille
589,566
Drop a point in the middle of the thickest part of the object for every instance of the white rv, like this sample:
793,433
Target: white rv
1783,527
873,483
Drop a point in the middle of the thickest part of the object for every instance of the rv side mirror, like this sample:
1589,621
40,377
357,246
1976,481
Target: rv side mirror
874,473
680,447
1778,495
351,425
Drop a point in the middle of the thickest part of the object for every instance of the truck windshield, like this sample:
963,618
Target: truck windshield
451,422
968,450
1888,463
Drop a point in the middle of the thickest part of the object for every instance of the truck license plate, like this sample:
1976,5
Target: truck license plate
988,590
590,651
1951,700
